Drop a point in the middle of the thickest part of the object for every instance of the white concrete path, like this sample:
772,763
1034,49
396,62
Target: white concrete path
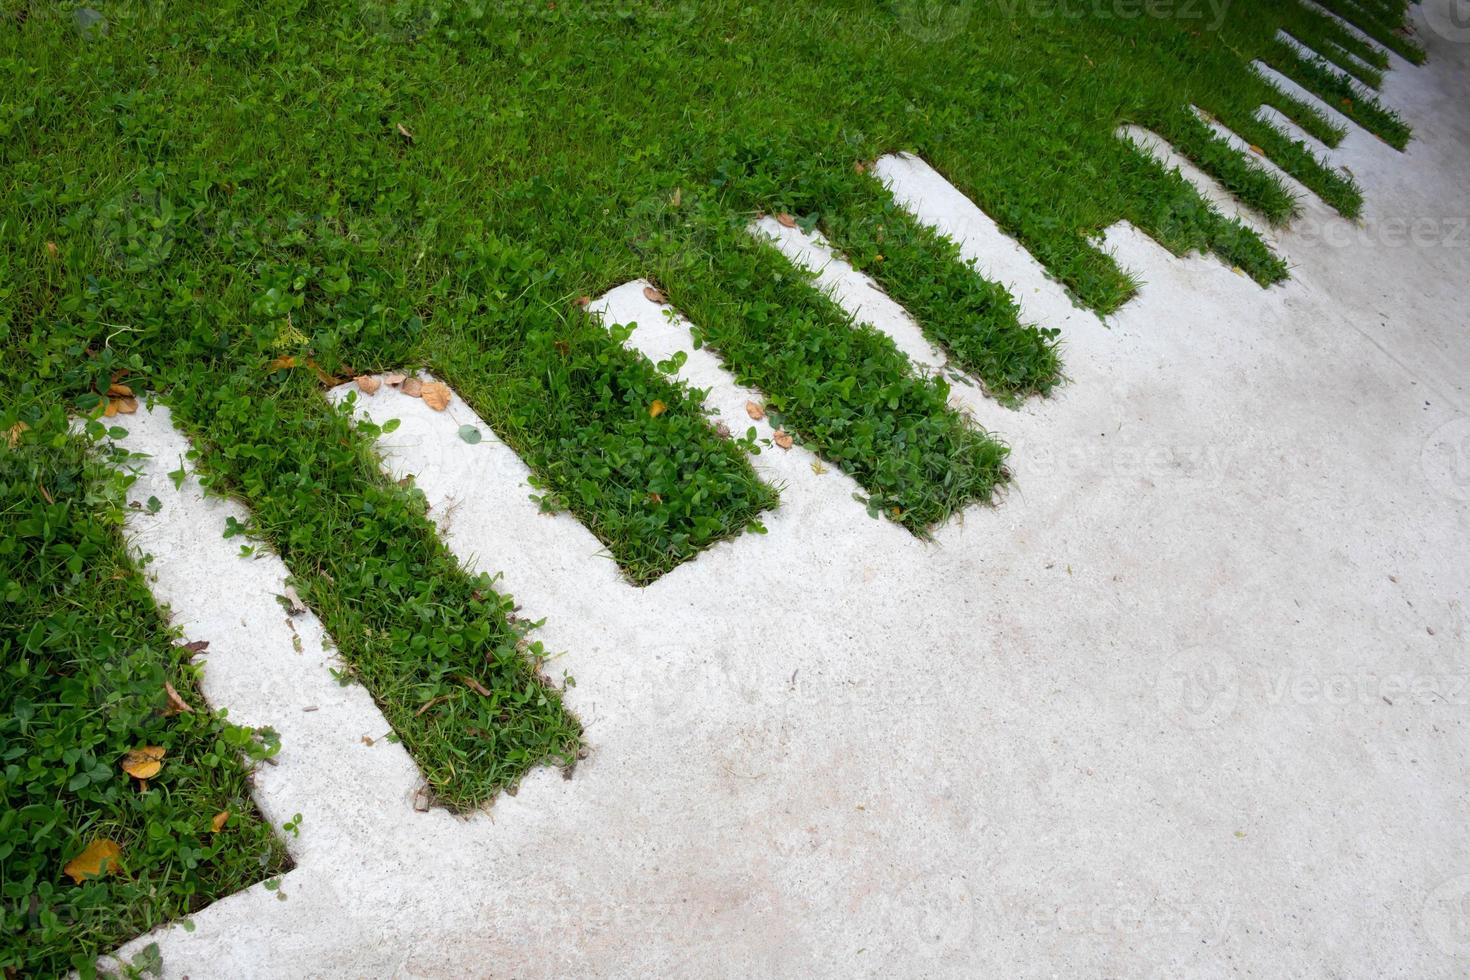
1191,702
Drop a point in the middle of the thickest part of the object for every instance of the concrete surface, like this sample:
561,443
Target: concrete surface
1192,701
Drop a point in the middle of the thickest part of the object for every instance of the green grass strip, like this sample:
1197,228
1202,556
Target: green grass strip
1313,121
1382,22
842,387
1318,77
1255,187
973,319
418,630
1350,63
1338,189
85,657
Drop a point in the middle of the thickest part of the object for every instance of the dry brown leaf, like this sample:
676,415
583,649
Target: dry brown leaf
475,685
197,646
176,704
412,387
294,605
653,295
859,167
367,384
403,131
101,857
217,822
657,408
786,220
144,763
122,406
13,434
394,380
1257,150
783,438
755,411
111,408
436,395
52,250
584,300
284,361
119,391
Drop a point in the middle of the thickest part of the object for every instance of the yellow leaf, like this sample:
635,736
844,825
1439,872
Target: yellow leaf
657,408
755,411
51,249
1257,150
817,467
101,857
13,434
144,763
119,391
284,361
217,822
436,395
367,384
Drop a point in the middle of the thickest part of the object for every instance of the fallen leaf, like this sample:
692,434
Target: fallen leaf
475,685
817,467
657,408
394,380
13,434
655,498
52,250
755,411
859,167
217,822
144,763
412,387
653,295
101,857
436,395
1348,103
177,705
786,220
367,384
403,131
122,406
197,646
783,439
111,408
284,361
119,391
678,197
584,300
1257,150
294,605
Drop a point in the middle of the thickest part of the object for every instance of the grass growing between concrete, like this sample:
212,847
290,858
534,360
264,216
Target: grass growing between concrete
86,658
207,201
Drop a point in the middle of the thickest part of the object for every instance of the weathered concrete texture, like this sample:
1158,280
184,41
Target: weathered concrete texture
1189,702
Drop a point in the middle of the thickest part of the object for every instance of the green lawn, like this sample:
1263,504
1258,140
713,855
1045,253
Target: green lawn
229,204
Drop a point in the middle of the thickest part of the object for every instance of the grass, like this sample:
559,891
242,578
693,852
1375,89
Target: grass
85,660
190,194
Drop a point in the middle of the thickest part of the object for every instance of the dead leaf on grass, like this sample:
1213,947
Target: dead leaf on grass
217,822
121,406
755,411
286,361
119,391
783,439
13,434
475,685
197,646
786,220
176,704
657,408
294,605
101,857
367,384
403,131
436,395
412,387
653,295
144,763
